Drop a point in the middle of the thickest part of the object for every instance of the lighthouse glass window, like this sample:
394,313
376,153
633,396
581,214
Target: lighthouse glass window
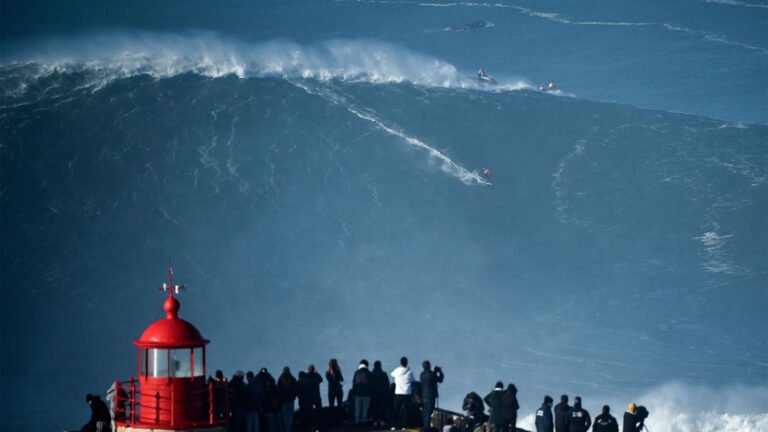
182,365
157,362
164,362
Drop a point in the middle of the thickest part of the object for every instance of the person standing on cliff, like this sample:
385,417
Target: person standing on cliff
403,393
379,394
429,380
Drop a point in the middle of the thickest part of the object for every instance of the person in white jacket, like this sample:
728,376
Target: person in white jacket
403,378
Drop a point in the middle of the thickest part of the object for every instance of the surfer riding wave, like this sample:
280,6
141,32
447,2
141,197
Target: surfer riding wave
484,77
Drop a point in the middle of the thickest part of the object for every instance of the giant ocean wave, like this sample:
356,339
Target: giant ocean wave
293,183
103,58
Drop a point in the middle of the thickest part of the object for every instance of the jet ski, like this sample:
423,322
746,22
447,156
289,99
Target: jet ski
484,77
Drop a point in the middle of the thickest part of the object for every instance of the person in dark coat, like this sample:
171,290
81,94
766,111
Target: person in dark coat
303,390
237,402
305,394
509,407
494,401
254,393
270,400
634,418
561,410
429,379
544,416
100,420
379,394
605,422
630,419
473,405
335,381
361,389
286,394
474,408
219,389
314,380
578,419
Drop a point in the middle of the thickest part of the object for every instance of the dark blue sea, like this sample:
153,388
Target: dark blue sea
315,172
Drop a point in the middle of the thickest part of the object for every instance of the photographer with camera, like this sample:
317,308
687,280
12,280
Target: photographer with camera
429,379
634,418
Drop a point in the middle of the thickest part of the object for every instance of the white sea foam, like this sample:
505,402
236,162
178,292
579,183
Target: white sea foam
738,3
677,407
555,17
107,57
716,252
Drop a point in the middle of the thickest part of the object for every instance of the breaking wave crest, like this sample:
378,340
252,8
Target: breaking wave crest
677,407
103,58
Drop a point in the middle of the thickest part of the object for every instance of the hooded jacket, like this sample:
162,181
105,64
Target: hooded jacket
305,391
403,379
509,404
630,422
429,380
561,409
361,382
314,380
578,419
493,400
379,383
286,388
99,411
544,418
605,422
473,405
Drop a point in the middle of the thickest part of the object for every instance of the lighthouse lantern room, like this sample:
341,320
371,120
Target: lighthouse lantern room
171,392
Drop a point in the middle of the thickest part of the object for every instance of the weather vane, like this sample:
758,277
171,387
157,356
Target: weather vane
170,286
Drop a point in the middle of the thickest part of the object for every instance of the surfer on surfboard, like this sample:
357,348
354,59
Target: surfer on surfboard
484,77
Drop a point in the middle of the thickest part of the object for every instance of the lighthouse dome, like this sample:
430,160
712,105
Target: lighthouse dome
171,332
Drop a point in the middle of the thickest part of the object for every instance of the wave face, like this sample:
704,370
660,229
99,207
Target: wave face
325,200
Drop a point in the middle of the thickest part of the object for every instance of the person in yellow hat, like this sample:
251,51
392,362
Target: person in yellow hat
630,419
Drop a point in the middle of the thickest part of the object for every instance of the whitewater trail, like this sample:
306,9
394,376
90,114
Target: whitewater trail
447,165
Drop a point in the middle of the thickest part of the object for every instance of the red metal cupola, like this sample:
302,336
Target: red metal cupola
171,332
172,392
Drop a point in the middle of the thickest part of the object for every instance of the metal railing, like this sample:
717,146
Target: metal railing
130,401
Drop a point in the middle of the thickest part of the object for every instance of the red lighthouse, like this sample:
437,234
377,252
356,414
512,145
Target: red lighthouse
171,392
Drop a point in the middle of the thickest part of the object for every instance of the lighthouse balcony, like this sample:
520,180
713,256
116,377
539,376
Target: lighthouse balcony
171,404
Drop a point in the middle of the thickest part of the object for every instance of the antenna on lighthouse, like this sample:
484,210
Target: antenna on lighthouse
170,286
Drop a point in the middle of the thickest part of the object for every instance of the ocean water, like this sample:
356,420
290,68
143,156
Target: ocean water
313,169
